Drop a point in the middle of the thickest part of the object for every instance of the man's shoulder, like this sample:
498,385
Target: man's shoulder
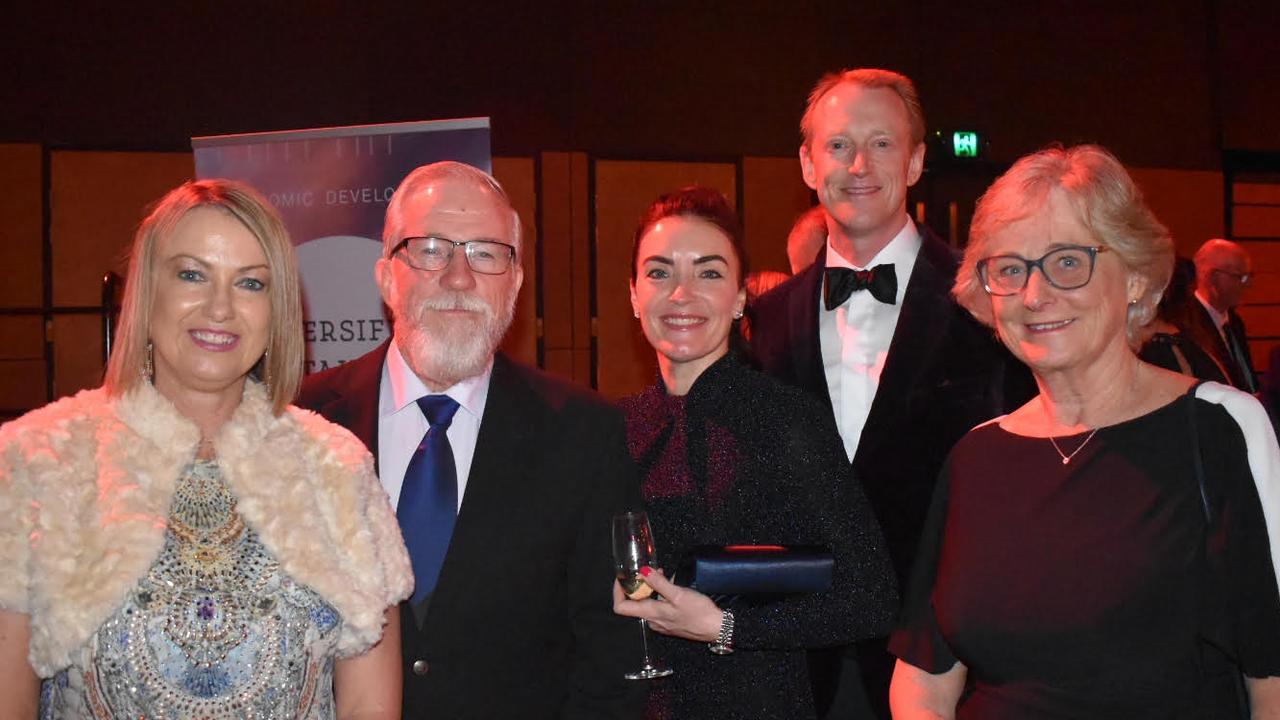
777,298
939,255
533,386
326,385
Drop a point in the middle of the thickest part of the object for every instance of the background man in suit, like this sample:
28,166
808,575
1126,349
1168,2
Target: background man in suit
807,238
1223,272
504,479
871,327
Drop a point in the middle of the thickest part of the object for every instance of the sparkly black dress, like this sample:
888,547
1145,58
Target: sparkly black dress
742,459
1100,588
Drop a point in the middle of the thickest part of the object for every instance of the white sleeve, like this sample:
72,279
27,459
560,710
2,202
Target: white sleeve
1263,451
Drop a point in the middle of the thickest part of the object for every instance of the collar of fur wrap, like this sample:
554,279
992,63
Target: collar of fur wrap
102,479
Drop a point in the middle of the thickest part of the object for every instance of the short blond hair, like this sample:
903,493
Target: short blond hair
868,78
1108,203
282,364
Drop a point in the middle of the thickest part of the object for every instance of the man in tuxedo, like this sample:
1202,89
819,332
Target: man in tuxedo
1223,272
504,479
872,330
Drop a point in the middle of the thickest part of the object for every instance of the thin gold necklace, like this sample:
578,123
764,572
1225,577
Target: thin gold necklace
1066,459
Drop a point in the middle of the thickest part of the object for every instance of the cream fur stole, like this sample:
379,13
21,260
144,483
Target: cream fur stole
85,486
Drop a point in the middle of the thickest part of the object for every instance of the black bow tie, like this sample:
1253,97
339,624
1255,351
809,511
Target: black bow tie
881,280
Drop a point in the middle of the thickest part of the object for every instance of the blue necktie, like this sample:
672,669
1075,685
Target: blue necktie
429,496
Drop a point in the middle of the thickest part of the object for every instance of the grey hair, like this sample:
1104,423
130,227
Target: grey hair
393,227
1109,204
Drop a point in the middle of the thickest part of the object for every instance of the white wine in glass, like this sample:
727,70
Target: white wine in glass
632,550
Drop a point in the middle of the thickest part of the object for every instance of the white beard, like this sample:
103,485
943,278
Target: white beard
444,350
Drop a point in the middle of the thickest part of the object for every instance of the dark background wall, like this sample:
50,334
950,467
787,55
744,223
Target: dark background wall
1164,84
597,107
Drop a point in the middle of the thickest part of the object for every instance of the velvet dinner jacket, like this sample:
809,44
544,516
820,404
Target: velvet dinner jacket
521,621
1205,333
945,373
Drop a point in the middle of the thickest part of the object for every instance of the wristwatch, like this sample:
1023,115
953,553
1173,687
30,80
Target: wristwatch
724,643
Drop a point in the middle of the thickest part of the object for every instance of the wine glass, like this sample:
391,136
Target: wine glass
632,550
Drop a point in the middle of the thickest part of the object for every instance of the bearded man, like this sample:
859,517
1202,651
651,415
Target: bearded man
504,479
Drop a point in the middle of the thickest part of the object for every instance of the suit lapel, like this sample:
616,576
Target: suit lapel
356,407
506,432
922,325
806,344
1207,334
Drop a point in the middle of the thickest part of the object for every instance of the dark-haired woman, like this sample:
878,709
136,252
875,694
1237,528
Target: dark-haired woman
729,456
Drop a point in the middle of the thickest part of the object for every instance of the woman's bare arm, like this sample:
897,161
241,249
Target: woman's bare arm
367,686
19,685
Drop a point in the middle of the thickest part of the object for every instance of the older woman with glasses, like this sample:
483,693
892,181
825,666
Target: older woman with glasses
1102,551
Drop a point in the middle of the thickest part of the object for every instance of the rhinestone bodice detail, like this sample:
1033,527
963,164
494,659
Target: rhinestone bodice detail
215,629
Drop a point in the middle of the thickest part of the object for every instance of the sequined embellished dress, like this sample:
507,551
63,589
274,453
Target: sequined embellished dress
214,630
741,459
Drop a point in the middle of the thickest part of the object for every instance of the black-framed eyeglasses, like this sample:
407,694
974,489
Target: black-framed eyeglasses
1065,268
487,257
1244,278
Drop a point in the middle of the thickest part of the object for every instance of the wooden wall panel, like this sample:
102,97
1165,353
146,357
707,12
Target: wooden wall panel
98,200
1255,221
22,366
565,263
1188,202
517,178
773,196
77,353
1256,193
1261,351
21,223
625,362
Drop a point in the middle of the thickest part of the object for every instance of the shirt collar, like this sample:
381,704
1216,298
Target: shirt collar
401,387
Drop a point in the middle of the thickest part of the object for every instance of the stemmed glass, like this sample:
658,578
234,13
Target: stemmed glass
632,550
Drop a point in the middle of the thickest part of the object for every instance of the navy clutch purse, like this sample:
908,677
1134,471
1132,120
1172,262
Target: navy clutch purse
757,570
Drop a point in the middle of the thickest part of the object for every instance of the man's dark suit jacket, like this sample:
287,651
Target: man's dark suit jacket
520,624
1205,333
945,373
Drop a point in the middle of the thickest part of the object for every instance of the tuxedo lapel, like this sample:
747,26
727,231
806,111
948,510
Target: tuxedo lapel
802,318
921,327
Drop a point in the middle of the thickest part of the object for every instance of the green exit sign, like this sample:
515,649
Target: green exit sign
965,144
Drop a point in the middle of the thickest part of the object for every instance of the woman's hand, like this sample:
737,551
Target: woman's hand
1264,697
679,612
915,694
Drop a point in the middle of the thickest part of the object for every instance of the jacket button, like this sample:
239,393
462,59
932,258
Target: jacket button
420,667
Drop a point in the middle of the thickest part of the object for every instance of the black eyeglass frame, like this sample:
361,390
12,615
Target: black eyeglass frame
1091,250
467,250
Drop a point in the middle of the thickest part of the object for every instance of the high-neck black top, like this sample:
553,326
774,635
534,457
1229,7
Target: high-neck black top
742,459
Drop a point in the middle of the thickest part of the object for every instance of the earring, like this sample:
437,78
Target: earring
637,314
148,367
264,370
737,315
